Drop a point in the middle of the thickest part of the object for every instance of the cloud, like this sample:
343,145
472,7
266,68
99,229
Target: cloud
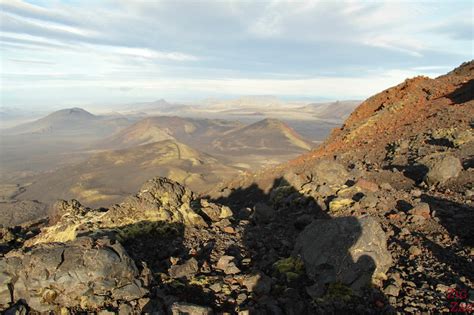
461,29
151,54
354,87
41,62
211,47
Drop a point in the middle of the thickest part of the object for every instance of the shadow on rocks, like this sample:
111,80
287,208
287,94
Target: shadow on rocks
464,93
169,266
457,218
307,261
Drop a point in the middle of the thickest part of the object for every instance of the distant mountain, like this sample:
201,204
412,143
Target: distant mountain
10,117
268,135
71,114
194,132
70,121
160,106
333,111
245,102
60,138
108,176
142,132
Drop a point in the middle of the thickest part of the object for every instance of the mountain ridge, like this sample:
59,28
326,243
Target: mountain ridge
67,120
376,122
99,180
268,134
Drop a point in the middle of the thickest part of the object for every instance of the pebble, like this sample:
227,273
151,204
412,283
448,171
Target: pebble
416,193
404,232
421,209
229,230
226,264
216,287
241,298
392,290
414,251
386,186
125,309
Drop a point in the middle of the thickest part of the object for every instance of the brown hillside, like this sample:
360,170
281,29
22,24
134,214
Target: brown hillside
417,106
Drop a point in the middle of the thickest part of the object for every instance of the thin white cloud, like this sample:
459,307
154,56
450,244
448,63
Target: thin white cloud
150,54
411,47
48,25
30,61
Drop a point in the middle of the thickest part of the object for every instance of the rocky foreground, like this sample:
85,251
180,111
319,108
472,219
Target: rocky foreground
378,220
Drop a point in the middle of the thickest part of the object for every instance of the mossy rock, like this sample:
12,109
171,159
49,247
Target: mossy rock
146,229
338,291
462,137
201,281
291,267
279,194
444,133
339,204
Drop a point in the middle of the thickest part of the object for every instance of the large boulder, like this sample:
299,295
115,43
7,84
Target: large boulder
329,172
347,250
84,273
159,200
441,168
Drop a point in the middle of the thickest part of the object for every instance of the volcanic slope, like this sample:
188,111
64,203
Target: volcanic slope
414,113
269,136
335,111
108,176
404,158
56,140
193,132
71,121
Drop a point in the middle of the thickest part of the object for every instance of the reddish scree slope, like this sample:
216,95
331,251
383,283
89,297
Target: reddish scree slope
415,106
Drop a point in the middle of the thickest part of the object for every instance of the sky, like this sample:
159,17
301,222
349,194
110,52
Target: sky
72,53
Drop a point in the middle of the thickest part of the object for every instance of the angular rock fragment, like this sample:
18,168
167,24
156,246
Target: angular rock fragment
441,168
329,172
180,308
214,211
227,264
258,283
188,269
351,251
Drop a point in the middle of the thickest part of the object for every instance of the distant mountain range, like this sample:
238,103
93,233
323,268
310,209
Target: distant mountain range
100,159
248,108
70,120
73,153
194,132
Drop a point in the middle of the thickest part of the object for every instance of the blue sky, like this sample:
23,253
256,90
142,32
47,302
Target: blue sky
73,53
